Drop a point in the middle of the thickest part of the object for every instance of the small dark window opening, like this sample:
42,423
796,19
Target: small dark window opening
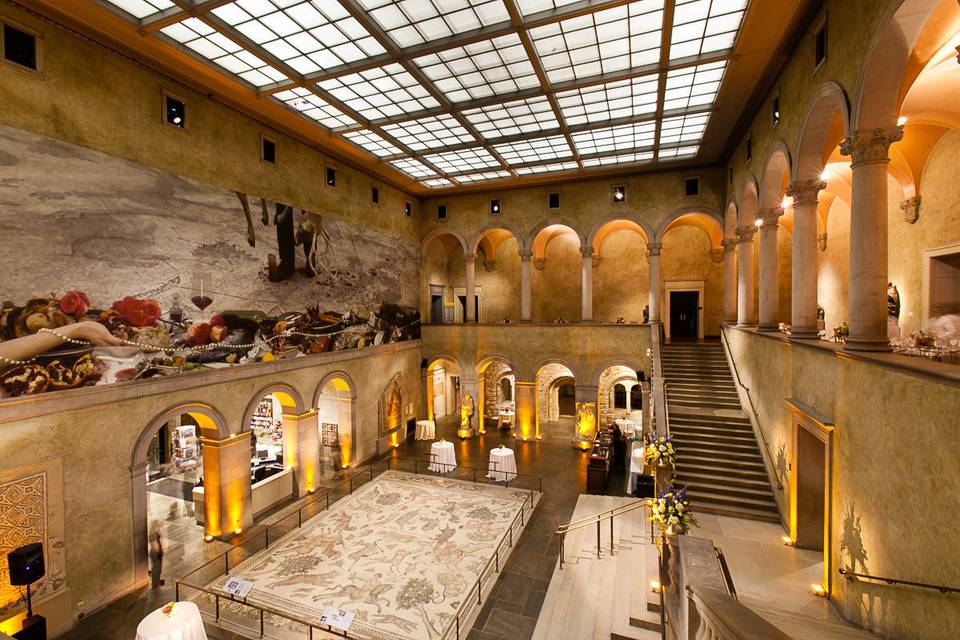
775,111
407,209
269,151
375,195
691,186
20,47
176,112
331,177
820,45
553,201
494,207
731,175
442,211
619,194
749,149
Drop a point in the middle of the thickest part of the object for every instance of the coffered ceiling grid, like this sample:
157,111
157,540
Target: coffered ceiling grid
463,91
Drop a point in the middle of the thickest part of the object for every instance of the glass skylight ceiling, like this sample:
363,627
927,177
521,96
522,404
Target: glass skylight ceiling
446,91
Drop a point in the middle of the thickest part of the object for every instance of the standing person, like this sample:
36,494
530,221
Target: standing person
155,553
619,447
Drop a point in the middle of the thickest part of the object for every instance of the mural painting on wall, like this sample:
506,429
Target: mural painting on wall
183,269
391,406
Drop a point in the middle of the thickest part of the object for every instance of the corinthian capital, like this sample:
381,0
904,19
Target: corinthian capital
745,233
730,244
805,191
770,217
911,209
586,252
653,248
871,146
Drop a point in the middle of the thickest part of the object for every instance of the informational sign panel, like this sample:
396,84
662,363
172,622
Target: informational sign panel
238,587
328,433
337,618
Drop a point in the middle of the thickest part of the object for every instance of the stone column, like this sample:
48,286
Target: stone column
469,265
301,450
655,281
526,425
769,273
586,399
869,152
227,496
745,317
730,280
803,300
525,298
586,285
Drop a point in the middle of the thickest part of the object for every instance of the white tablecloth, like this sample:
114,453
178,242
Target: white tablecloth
503,464
627,426
426,430
504,418
443,459
183,624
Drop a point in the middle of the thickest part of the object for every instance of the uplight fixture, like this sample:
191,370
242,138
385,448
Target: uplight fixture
902,120
758,222
655,586
788,540
818,590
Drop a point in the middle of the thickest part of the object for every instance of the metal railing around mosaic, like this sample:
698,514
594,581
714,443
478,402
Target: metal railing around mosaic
315,504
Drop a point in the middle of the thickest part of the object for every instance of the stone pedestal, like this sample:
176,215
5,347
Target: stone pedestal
301,450
803,300
769,272
586,402
656,282
745,313
228,501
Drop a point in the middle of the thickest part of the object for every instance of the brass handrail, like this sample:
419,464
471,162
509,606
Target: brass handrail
850,575
763,436
597,518
725,570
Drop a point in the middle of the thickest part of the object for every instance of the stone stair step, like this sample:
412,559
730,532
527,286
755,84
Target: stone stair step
716,434
718,486
737,512
698,496
719,470
693,477
734,452
703,417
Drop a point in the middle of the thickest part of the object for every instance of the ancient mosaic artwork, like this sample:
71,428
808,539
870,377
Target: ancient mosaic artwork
23,520
402,552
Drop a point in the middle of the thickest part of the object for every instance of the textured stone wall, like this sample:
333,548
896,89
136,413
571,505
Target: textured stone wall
621,286
686,256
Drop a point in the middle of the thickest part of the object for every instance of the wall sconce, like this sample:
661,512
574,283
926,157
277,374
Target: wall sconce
655,586
619,194
495,207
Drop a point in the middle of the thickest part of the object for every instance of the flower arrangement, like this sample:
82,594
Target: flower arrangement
75,304
138,313
660,452
672,512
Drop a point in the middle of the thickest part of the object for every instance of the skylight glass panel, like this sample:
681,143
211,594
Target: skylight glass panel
613,139
693,86
705,26
382,92
536,6
547,168
308,36
413,22
142,8
216,47
606,41
413,168
430,133
372,143
481,177
464,160
437,183
677,153
530,115
537,150
482,69
631,98
314,107
621,158
681,130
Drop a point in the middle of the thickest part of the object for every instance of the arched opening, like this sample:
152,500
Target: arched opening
335,419
556,274
443,391
497,382
556,401
621,282
619,395
774,275
748,257
691,264
497,278
441,276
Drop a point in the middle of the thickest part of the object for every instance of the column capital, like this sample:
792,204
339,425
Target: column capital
911,209
586,252
865,147
525,255
654,248
745,233
770,217
729,244
805,191
469,257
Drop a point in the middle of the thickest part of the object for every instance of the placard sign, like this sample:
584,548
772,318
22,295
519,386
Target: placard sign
238,587
328,433
337,618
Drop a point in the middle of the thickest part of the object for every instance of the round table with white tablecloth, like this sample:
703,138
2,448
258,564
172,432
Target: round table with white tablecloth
503,464
183,623
442,458
426,430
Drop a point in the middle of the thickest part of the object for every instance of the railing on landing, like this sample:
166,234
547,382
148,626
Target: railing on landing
763,436
850,575
597,519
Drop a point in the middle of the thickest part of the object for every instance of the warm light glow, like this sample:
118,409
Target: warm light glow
758,221
825,175
818,590
237,532
311,490
655,586
345,466
11,625
902,120
208,538
787,202
464,433
787,540
584,445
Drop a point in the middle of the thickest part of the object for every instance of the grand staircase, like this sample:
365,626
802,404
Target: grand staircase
719,460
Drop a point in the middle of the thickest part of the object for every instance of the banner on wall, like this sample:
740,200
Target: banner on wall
328,434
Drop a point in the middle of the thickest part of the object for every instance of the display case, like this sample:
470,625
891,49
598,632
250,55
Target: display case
185,446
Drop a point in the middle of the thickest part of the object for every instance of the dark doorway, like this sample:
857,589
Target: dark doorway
684,310
436,308
636,397
811,482
462,300
567,400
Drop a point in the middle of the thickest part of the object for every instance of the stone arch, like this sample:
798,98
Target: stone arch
478,237
489,389
432,235
557,360
209,418
889,68
444,355
749,201
596,236
730,220
776,174
633,365
829,101
331,377
550,222
345,392
290,399
710,222
431,395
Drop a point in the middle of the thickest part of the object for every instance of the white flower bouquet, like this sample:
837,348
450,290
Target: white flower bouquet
660,452
672,512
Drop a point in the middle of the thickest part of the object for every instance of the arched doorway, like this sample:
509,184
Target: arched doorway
497,275
557,267
619,394
443,390
335,416
497,382
556,401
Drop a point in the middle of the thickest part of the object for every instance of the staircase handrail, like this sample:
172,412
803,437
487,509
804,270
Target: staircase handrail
725,570
658,390
724,618
850,575
753,408
603,515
